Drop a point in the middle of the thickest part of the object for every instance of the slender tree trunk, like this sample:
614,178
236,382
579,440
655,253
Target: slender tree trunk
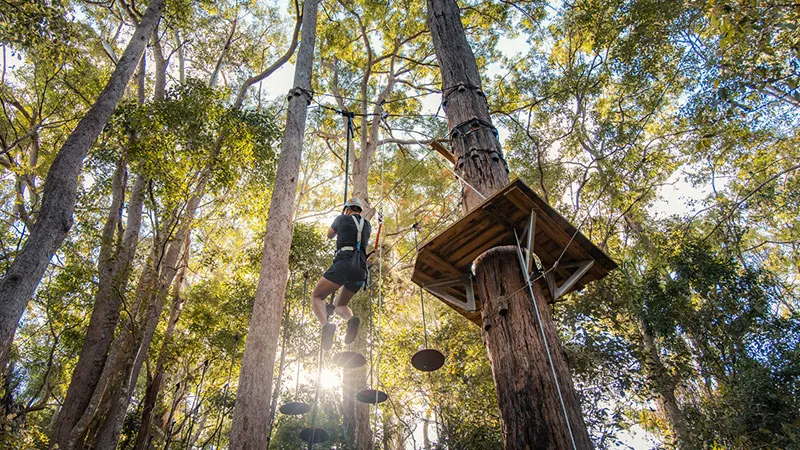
114,273
249,428
426,441
529,402
60,188
154,387
212,82
355,415
110,295
665,387
136,342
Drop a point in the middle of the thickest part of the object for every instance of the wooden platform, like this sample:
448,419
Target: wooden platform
450,254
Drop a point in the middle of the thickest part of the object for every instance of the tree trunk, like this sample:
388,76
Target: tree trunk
60,188
135,341
665,387
109,298
249,428
100,332
276,390
526,391
528,400
154,387
355,415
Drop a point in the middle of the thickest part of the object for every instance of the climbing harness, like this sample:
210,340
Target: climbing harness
427,359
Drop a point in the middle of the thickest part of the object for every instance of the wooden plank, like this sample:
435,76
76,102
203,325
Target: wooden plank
442,150
477,246
445,265
477,249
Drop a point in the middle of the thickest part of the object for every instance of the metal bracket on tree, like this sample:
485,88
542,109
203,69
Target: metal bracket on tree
460,87
468,127
438,287
298,91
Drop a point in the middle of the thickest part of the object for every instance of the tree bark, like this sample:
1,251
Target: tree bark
109,298
135,341
355,415
249,428
276,390
61,187
528,400
526,391
665,387
154,387
114,274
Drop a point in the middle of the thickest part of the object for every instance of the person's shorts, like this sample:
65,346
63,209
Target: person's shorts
342,273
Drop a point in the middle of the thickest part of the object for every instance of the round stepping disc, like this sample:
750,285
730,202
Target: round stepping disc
427,360
349,360
319,435
295,408
372,396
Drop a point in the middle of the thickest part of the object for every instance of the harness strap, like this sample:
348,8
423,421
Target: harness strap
359,227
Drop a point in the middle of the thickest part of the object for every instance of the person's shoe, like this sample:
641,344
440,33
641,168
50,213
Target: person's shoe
352,329
327,336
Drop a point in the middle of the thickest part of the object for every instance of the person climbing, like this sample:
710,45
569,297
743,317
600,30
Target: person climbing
349,269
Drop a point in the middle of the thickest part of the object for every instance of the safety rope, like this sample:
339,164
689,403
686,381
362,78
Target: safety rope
302,327
349,131
421,296
316,399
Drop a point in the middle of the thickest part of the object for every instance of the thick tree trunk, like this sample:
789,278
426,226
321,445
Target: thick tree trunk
60,188
529,403
356,414
249,428
276,390
479,156
526,391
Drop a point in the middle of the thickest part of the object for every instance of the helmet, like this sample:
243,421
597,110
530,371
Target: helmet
354,203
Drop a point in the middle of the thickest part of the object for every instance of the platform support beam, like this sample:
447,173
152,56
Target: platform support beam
526,392
438,287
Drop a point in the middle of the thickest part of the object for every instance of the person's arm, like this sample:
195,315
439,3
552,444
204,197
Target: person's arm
332,230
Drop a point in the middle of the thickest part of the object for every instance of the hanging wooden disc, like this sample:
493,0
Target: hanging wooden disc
318,434
372,396
295,408
349,360
427,360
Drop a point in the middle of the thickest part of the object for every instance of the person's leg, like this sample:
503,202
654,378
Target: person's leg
342,300
324,288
